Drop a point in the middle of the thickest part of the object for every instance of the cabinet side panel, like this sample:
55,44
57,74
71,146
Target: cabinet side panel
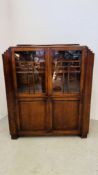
87,93
9,92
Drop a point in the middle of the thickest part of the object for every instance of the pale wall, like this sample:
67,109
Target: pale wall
4,43
57,21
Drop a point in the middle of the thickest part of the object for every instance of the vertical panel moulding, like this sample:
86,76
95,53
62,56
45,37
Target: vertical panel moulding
17,115
15,88
87,94
49,114
82,81
49,72
48,92
46,70
10,93
14,72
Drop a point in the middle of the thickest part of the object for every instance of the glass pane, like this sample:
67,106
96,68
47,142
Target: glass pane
30,71
66,70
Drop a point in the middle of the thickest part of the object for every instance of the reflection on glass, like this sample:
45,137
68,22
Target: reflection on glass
30,70
66,71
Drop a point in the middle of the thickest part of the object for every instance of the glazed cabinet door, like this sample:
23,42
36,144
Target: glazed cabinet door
29,70
66,87
30,84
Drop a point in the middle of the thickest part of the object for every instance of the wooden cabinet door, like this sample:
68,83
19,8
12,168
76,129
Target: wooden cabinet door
66,87
30,84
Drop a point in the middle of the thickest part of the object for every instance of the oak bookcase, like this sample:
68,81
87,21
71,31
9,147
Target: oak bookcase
48,89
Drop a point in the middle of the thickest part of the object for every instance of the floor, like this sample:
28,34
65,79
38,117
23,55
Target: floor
49,155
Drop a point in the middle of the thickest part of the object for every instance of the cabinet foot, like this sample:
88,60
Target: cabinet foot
14,136
84,136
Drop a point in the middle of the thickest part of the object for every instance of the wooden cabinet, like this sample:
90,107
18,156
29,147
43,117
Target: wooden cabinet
48,89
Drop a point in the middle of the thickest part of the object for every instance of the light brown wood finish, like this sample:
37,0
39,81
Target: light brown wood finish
32,118
49,113
65,115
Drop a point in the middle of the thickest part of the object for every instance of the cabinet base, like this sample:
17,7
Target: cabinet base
53,133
